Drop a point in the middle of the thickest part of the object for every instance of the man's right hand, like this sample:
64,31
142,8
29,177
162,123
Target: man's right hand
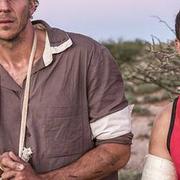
14,167
8,164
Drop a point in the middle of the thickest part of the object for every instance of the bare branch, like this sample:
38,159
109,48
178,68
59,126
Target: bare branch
165,23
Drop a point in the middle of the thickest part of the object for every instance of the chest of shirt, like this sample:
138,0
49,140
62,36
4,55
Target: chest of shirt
57,104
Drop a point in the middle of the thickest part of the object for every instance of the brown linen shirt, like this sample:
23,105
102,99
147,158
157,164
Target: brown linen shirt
75,82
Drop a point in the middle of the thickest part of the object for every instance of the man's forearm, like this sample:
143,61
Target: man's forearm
95,164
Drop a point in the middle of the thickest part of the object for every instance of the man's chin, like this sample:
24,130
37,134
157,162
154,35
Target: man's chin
8,37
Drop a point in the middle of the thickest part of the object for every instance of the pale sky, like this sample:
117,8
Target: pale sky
111,19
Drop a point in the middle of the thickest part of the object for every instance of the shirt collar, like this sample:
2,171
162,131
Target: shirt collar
50,50
57,41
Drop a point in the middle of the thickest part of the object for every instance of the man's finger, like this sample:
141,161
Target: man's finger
2,156
8,174
1,171
14,157
9,163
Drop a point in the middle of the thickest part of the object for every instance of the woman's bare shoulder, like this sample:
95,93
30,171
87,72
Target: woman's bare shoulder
158,141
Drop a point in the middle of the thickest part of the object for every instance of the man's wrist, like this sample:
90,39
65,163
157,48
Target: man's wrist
49,176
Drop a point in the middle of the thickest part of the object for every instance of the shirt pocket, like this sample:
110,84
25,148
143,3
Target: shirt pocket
63,132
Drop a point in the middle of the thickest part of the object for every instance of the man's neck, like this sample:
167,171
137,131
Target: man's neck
14,56
17,50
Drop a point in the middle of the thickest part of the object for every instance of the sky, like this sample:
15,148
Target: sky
112,19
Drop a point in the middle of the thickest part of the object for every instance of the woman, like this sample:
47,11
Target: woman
163,160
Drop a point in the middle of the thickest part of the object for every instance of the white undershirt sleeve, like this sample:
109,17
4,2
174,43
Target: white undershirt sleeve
113,125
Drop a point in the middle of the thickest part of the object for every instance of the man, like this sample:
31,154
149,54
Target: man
163,161
78,120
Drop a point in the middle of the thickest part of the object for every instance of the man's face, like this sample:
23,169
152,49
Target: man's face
14,17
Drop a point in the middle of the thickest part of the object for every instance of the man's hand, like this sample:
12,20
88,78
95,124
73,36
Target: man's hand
15,168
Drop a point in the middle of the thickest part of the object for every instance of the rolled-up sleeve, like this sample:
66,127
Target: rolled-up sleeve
109,112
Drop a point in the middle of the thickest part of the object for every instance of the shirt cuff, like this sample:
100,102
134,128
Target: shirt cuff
125,139
112,126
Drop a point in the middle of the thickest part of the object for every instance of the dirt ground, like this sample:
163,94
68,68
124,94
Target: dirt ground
141,126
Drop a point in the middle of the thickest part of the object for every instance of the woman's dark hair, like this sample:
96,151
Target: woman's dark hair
177,26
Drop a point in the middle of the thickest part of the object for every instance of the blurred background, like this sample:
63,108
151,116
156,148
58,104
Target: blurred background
140,35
